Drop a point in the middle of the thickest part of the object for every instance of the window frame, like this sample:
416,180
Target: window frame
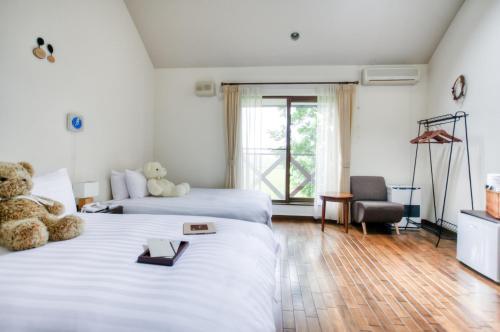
289,101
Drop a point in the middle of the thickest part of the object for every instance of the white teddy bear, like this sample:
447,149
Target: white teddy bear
158,185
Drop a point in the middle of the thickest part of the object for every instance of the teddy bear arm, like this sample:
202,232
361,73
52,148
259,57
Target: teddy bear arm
168,188
154,187
56,208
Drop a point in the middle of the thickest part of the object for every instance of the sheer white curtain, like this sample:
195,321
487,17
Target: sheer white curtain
328,162
251,138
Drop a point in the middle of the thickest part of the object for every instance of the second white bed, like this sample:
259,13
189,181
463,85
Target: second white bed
248,205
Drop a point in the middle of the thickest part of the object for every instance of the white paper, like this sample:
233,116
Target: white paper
160,248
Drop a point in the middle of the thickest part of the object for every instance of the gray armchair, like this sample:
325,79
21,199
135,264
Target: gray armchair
369,202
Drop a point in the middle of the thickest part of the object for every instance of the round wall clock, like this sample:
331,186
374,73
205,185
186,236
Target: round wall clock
459,88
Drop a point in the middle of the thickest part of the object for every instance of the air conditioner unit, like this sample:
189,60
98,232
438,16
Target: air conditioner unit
390,75
205,89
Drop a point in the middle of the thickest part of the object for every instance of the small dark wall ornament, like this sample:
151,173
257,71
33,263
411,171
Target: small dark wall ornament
51,57
38,51
459,88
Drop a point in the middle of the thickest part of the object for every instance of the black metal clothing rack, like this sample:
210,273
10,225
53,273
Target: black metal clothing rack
427,124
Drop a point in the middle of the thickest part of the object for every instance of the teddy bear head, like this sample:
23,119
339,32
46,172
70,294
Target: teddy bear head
154,170
15,179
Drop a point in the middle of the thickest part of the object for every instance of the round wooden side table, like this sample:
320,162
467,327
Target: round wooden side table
345,199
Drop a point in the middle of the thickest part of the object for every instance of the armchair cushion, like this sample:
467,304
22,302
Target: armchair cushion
377,211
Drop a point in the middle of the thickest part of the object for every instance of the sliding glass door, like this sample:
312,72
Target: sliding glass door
288,157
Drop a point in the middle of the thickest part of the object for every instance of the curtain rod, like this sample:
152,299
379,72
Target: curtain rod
285,83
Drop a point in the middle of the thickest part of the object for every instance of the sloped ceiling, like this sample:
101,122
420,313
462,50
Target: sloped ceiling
211,33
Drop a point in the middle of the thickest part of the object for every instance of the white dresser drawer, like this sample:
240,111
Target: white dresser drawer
478,244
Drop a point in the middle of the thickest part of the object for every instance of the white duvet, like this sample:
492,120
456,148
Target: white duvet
248,205
222,282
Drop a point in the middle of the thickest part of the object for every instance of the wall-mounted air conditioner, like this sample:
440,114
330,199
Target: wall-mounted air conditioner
390,75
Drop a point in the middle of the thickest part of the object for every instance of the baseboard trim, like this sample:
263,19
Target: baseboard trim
302,218
290,218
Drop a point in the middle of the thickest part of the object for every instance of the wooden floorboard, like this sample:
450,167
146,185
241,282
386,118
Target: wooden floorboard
334,281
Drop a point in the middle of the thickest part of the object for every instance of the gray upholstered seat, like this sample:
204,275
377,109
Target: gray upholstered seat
369,203
375,211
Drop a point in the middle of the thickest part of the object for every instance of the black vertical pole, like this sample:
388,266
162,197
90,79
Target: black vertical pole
413,178
447,180
433,187
468,160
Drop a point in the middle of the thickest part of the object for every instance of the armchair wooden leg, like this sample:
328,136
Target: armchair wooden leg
397,228
364,227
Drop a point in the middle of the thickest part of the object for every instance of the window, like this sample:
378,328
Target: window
287,148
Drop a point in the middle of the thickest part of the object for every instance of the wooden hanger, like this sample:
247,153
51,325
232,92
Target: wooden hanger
424,138
444,134
439,136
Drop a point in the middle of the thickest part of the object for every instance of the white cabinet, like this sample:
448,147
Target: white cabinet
401,194
478,247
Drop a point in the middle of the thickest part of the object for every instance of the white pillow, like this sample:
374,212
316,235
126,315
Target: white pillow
137,184
119,186
56,186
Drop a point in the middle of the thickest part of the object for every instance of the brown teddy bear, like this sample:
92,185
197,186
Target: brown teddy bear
28,221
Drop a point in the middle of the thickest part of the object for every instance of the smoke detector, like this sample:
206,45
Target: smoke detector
295,36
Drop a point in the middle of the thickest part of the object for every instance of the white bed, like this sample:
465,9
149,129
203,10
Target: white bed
245,205
222,282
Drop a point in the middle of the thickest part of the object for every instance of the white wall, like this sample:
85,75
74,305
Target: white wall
470,47
102,72
189,132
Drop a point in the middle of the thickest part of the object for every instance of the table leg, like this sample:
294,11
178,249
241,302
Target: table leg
345,216
323,211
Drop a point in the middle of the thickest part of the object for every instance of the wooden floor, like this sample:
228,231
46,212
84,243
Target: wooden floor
334,281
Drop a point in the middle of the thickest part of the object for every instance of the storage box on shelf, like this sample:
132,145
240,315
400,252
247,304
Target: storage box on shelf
493,203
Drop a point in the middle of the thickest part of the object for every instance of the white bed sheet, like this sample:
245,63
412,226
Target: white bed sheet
248,205
222,282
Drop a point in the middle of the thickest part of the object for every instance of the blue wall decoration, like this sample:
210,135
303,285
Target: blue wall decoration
74,122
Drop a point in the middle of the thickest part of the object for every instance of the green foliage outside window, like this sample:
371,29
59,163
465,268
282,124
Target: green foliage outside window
302,146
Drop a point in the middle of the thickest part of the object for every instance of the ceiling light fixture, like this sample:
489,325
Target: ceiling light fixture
295,36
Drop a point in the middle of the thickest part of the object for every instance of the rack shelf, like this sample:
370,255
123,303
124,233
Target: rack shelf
427,124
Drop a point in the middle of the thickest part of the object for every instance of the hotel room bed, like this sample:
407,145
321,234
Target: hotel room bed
245,205
222,282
